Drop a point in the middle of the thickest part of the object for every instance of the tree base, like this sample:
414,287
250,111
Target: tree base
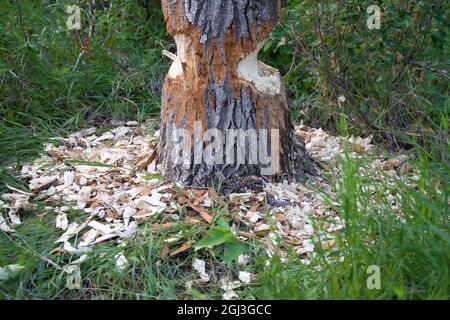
242,178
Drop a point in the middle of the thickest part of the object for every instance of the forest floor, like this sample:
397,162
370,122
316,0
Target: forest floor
93,219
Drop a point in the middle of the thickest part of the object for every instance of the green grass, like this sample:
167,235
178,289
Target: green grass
413,252
144,279
147,275
411,249
40,95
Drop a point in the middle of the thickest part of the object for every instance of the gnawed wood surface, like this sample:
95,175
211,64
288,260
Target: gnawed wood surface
216,80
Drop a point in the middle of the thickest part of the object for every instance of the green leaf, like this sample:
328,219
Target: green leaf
216,236
222,234
232,251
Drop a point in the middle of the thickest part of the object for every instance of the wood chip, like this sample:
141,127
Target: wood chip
202,212
185,247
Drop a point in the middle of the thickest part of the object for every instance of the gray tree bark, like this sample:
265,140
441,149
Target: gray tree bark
217,82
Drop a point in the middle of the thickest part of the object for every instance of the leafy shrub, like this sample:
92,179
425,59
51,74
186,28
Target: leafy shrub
394,79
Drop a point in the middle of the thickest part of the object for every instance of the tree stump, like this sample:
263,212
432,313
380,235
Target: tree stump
217,86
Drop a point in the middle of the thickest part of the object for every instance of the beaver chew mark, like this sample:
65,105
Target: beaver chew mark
216,80
176,69
265,78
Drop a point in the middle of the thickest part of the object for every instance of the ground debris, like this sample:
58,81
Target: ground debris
111,177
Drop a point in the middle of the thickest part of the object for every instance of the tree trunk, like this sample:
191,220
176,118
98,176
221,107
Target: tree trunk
216,82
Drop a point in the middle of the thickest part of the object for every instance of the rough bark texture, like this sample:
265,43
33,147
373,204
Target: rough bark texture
217,81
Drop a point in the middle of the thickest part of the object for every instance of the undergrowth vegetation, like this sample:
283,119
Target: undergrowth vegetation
44,91
391,83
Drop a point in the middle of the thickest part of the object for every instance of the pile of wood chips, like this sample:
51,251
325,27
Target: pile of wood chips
112,178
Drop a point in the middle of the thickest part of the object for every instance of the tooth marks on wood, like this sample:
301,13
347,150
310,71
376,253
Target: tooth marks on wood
217,81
